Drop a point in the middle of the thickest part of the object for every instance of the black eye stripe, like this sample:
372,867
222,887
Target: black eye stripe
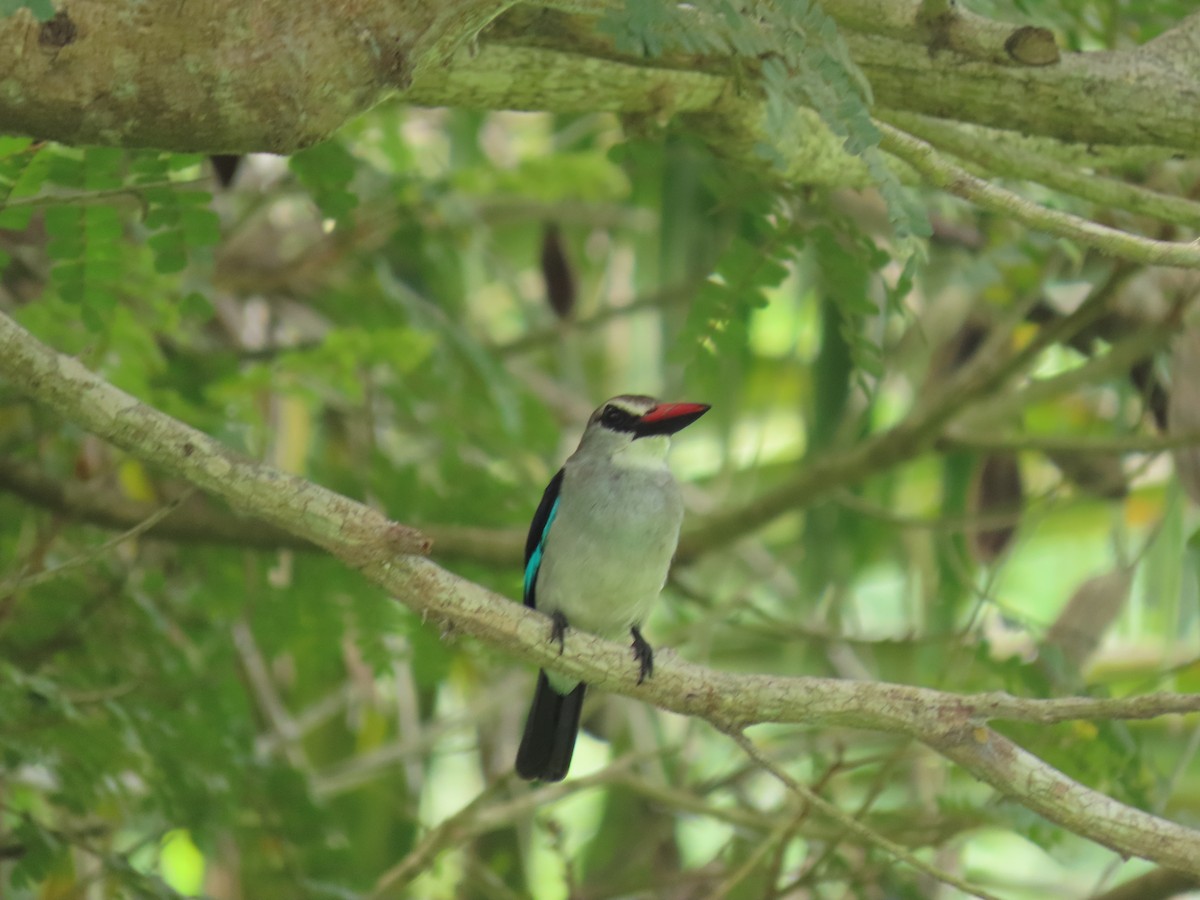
618,419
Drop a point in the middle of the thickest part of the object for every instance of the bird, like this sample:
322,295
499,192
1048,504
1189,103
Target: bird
597,555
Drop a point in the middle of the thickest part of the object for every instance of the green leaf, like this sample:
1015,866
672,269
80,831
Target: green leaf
103,168
170,253
43,853
64,225
10,145
201,226
196,306
327,169
22,170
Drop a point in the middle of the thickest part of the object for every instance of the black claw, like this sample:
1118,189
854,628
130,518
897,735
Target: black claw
558,631
643,653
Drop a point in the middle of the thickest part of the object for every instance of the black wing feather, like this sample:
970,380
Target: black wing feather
537,533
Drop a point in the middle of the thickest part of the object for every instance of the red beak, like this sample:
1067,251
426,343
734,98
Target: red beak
668,418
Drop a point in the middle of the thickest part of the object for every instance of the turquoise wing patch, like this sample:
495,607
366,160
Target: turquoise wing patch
535,558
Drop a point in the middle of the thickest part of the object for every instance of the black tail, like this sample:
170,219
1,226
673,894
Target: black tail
550,731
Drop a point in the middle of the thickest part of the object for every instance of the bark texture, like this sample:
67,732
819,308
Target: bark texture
231,76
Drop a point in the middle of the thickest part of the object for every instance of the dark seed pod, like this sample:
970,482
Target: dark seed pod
1088,615
225,165
1183,408
1100,474
557,273
997,496
1150,386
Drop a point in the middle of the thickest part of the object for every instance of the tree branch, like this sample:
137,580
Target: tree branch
925,425
944,174
852,824
193,520
914,434
113,74
1158,884
25,582
273,75
970,439
1011,158
63,384
196,520
954,725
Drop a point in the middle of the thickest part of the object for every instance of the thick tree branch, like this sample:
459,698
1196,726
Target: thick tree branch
277,75
958,67
1080,98
273,75
953,725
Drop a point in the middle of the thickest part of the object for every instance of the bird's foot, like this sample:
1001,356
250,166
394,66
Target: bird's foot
643,653
558,631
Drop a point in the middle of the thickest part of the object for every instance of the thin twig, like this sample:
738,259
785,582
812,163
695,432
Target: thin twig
1062,443
915,434
944,174
452,832
97,553
1006,160
485,813
852,824
259,676
83,198
751,864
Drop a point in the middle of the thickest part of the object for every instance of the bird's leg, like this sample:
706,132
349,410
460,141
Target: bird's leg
643,653
558,631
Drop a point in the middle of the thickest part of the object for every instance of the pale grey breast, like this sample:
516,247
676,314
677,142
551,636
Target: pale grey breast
609,550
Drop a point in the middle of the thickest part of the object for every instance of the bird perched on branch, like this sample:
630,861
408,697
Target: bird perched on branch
597,555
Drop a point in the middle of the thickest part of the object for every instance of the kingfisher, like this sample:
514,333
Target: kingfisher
597,555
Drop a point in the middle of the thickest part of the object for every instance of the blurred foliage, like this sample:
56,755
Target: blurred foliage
42,9
801,61
1087,26
373,315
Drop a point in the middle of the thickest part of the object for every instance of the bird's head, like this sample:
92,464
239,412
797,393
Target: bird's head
635,430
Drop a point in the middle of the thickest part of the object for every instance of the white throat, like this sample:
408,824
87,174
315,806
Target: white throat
644,453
